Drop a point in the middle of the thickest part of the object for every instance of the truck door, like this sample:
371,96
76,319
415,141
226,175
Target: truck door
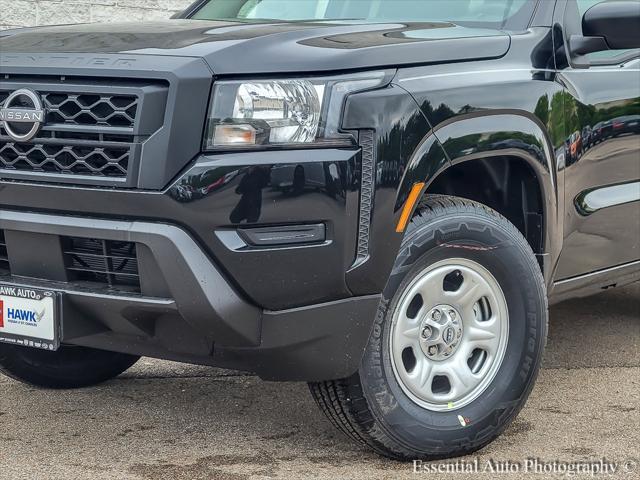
602,175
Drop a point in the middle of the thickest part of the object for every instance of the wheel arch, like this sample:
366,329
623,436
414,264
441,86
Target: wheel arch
489,138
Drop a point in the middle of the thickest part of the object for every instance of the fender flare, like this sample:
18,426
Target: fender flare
469,137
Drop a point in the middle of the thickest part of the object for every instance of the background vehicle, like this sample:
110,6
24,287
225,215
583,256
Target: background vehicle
605,130
575,147
587,137
626,124
597,132
138,214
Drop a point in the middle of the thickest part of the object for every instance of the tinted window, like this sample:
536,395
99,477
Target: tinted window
494,12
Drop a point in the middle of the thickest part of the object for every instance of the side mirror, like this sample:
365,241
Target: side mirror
612,25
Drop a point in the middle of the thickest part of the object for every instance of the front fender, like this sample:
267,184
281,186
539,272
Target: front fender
391,128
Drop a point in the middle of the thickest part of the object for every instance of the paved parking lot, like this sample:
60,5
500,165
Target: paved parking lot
167,421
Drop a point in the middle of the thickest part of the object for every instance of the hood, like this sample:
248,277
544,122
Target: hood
274,47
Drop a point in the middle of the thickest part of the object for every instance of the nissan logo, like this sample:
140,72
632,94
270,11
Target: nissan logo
22,114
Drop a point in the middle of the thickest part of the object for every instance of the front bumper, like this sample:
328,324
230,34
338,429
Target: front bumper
201,318
212,199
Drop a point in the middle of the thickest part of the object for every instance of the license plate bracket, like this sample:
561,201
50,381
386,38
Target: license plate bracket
29,317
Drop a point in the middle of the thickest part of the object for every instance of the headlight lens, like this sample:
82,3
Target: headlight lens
288,112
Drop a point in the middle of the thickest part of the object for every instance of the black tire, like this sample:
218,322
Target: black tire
69,367
371,406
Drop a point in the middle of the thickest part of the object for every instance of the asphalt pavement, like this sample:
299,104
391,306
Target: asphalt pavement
169,421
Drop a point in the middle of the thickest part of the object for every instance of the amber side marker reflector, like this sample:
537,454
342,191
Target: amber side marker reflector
414,195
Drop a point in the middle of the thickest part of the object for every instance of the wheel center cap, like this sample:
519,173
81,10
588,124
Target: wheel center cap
440,332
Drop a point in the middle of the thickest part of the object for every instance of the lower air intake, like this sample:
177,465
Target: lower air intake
112,264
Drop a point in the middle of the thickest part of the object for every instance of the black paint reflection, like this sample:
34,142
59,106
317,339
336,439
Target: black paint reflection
250,189
602,223
243,191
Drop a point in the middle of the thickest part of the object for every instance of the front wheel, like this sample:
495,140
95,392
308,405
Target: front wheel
457,342
69,367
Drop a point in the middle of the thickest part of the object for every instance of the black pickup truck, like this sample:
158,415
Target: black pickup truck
376,197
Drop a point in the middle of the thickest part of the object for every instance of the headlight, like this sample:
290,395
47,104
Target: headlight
287,112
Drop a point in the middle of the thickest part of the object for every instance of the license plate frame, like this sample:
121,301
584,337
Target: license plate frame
30,317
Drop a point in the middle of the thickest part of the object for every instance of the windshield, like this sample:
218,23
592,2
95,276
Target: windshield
494,12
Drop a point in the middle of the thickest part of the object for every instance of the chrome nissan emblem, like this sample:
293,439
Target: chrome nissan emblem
22,115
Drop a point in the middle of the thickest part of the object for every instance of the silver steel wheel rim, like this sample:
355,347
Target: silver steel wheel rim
468,353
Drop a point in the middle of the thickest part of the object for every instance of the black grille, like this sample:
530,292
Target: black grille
88,109
91,109
65,159
87,133
110,263
4,258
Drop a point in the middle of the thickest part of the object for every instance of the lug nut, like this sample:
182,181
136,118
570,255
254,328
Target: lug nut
426,332
433,350
452,314
437,315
